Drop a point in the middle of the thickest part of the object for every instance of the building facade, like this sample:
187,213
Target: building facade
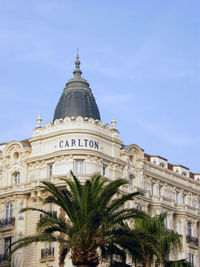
77,140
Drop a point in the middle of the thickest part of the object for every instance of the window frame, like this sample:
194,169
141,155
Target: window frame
50,169
9,211
78,169
16,177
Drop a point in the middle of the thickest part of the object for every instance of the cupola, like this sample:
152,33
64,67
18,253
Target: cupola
77,98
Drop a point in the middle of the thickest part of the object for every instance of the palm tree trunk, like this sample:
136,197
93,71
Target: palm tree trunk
147,262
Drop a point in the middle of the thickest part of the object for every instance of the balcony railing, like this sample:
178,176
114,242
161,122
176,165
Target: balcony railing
47,253
53,213
3,258
192,240
4,223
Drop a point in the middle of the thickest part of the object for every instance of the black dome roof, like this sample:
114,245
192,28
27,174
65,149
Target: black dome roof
77,98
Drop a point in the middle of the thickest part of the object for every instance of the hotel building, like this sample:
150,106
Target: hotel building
78,140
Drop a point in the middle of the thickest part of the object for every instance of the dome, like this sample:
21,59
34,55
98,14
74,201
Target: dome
77,98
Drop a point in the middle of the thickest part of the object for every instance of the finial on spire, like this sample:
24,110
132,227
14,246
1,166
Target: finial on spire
77,72
113,123
39,120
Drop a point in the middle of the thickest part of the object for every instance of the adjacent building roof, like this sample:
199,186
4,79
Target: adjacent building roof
77,98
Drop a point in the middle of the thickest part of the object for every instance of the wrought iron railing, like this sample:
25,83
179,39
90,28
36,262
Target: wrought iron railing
53,213
47,253
7,222
193,240
3,258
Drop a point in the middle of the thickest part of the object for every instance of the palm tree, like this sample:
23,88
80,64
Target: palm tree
179,263
141,246
94,213
166,240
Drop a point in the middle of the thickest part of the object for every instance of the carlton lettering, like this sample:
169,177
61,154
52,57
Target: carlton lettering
79,143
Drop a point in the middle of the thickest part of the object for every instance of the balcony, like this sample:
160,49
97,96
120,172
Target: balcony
47,253
3,259
6,224
53,214
192,240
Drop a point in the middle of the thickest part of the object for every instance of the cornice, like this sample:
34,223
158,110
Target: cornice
75,152
172,182
95,133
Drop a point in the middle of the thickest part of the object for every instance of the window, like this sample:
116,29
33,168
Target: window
130,179
160,190
79,166
49,207
50,169
105,170
189,229
151,188
162,164
16,177
191,258
21,214
139,207
184,173
183,199
9,210
176,197
165,222
7,243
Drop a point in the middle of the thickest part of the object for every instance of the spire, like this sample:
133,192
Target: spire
77,72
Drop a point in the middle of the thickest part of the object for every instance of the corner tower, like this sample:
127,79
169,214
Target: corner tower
77,98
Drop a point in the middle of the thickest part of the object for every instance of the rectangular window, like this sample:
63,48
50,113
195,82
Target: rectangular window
176,197
191,258
50,169
160,190
130,180
7,243
79,166
151,188
21,214
16,177
105,170
183,199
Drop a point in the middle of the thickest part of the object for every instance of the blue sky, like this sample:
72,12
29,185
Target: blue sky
141,58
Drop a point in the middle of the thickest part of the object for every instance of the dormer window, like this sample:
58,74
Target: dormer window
16,177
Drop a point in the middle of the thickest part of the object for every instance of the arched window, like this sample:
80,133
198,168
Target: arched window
184,173
189,229
9,210
162,164
16,177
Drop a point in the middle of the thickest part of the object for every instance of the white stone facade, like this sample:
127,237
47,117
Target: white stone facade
87,146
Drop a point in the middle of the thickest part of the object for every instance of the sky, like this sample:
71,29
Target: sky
141,58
